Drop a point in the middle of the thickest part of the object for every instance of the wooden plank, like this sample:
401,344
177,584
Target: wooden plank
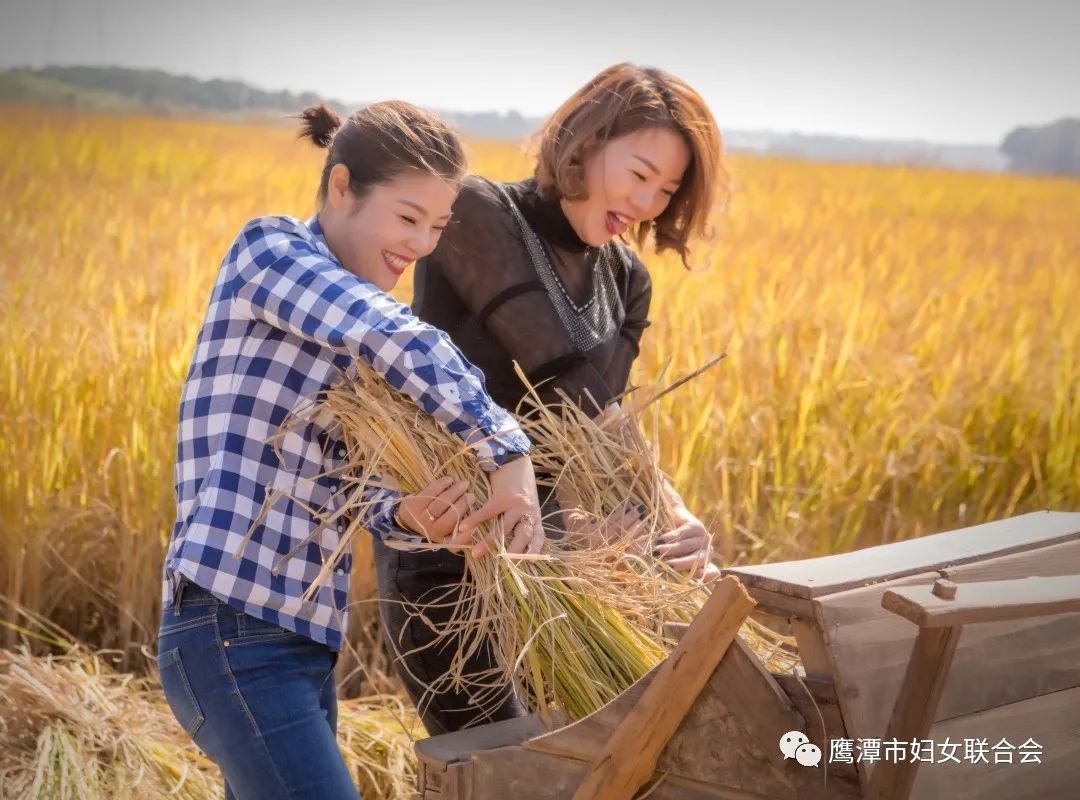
819,690
629,757
731,735
813,652
458,746
778,623
1030,659
870,648
996,663
429,778
713,724
817,577
675,630
915,709
1052,720
514,772
986,601
776,604
728,739
1006,662
438,781
816,701
582,739
1058,559
521,774
737,670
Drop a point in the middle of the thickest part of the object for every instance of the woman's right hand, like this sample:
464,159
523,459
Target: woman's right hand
514,497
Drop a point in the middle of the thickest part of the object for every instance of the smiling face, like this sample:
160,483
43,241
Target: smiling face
628,180
380,234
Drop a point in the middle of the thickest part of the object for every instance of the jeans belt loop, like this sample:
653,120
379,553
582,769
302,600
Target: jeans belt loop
178,594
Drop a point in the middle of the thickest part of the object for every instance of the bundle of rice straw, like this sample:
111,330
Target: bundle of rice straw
376,736
572,627
73,727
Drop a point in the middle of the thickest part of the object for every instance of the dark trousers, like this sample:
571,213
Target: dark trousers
418,578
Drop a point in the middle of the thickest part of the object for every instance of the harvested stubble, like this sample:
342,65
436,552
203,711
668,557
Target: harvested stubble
376,736
71,726
575,626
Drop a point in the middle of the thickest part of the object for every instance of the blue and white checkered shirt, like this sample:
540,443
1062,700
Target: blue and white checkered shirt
285,322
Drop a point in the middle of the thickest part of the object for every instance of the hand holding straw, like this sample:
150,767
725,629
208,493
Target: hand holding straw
507,483
436,510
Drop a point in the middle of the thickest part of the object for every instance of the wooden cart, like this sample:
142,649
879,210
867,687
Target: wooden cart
969,636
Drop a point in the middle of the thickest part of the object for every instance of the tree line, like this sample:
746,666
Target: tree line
1051,149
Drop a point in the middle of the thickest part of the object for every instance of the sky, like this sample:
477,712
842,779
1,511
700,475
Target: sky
956,71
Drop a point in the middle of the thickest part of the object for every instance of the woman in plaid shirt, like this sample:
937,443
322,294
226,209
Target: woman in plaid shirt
248,665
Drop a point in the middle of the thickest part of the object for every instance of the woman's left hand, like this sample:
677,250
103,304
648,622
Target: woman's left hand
711,574
435,511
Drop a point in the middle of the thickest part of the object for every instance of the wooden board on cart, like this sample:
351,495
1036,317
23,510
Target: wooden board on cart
1016,680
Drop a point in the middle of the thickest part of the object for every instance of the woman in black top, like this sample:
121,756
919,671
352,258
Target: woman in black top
535,272
513,281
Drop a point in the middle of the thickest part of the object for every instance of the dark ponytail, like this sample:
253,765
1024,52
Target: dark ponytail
319,124
380,142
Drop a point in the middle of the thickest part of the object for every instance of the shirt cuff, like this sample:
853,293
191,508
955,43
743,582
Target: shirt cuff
501,443
380,523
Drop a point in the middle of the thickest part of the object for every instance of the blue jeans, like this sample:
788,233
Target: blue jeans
259,700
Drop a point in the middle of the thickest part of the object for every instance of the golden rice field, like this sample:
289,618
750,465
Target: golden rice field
902,348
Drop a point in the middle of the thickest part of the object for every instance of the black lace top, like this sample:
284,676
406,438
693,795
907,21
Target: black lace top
511,281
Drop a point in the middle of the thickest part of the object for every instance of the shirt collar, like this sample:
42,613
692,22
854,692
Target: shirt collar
545,216
313,225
